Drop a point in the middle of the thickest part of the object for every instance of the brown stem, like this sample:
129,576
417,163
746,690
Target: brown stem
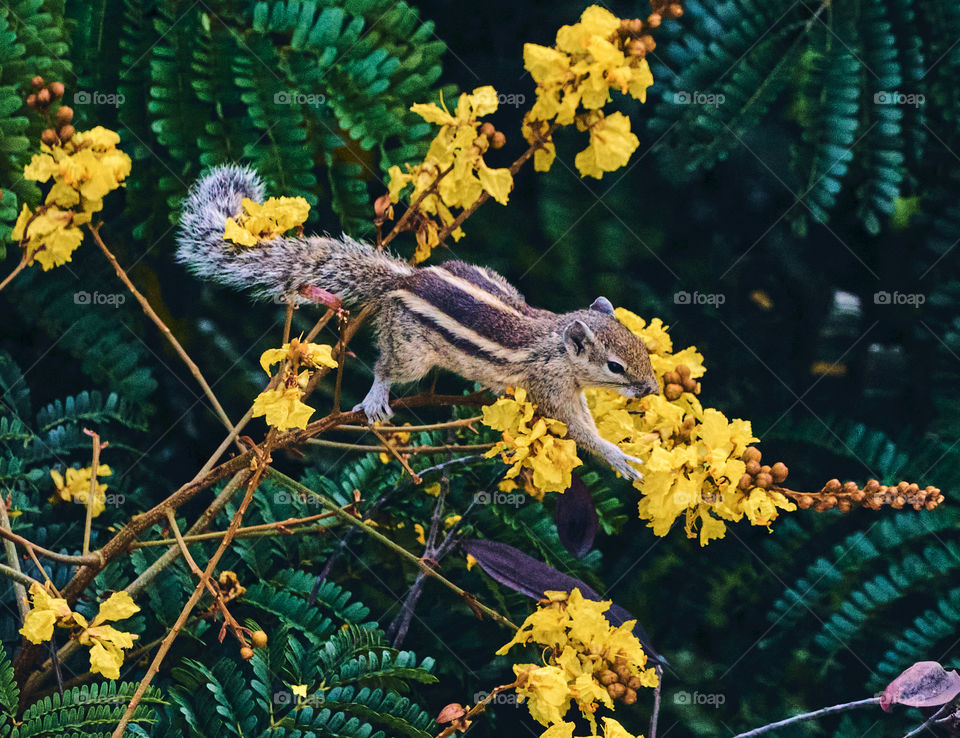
47,553
279,527
19,590
388,429
365,448
19,268
413,208
194,598
476,710
403,462
91,495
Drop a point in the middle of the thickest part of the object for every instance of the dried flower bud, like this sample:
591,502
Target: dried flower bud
653,20
745,483
37,82
43,98
616,690
804,502
779,471
49,137
56,89
673,391
487,129
674,10
607,677
64,114
32,101
753,467
833,486
246,653
763,480
672,377
683,370
258,639
630,696
66,133
752,453
498,140
648,41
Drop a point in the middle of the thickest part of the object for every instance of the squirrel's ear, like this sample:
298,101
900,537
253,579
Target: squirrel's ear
577,337
602,305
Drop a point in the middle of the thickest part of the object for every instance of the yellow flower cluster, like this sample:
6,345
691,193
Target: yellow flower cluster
580,647
458,147
588,60
282,406
76,486
83,169
539,447
692,455
106,643
266,221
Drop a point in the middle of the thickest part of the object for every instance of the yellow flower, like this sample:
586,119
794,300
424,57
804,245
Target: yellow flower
545,688
457,153
76,486
421,534
559,730
613,729
310,354
300,690
540,447
265,221
282,408
106,642
45,612
611,144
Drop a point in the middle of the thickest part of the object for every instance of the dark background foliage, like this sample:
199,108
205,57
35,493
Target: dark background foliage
788,190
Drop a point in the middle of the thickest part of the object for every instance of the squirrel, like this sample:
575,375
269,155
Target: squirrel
467,319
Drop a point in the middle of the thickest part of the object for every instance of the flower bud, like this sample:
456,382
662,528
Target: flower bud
43,97
672,391
779,472
672,377
498,140
745,483
56,89
753,467
683,370
805,502
763,480
66,133
616,690
752,453
653,20
246,653
487,129
607,676
49,137
833,486
259,639
64,114
674,10
37,82
32,101
630,696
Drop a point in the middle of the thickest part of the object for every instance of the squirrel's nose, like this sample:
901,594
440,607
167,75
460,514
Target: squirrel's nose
649,387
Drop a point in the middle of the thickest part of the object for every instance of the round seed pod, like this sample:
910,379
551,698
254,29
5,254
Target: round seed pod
607,676
745,483
654,20
32,101
683,370
763,480
752,453
753,467
66,133
833,486
779,472
246,653
43,97
56,89
63,115
498,140
630,696
672,391
672,377
616,690
259,639
830,501
690,385
49,137
487,129
37,82
805,502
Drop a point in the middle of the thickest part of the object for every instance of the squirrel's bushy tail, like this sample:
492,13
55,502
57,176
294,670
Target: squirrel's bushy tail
353,271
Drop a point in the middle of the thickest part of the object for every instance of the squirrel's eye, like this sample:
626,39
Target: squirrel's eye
615,367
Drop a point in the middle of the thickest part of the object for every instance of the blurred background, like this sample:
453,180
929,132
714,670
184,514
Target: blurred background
792,211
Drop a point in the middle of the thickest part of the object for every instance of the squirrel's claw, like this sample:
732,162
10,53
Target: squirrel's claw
376,405
622,465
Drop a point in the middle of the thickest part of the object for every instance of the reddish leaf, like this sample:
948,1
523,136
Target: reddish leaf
576,519
522,573
925,684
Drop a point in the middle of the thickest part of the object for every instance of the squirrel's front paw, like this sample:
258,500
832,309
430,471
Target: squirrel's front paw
623,463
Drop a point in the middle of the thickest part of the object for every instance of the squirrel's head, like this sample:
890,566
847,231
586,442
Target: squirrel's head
606,354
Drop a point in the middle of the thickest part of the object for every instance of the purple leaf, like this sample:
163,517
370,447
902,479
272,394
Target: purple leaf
925,684
576,518
525,574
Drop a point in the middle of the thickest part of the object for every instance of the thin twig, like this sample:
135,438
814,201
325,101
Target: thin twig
654,718
47,553
477,709
869,702
370,449
929,721
9,278
150,313
399,226
91,495
396,454
17,576
19,591
288,319
280,527
462,422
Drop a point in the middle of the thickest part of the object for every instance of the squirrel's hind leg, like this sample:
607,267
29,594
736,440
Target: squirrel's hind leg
402,359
